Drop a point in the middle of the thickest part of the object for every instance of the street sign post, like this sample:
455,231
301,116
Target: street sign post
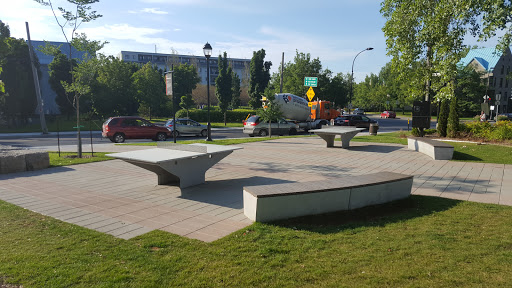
311,81
310,93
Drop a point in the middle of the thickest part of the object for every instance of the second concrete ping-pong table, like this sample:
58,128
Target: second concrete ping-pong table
178,164
346,134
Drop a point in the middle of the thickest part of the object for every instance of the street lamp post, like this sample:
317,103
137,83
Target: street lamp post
352,79
207,49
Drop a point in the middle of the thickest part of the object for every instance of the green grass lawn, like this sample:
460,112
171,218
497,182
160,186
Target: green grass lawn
418,242
68,158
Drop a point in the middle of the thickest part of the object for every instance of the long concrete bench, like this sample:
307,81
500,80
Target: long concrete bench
16,159
436,149
281,201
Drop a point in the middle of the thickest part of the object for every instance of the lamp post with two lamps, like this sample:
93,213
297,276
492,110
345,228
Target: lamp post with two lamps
352,79
207,49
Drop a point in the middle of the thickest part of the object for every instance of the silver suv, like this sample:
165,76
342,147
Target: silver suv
254,126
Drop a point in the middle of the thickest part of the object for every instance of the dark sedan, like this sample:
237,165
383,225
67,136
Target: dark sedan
359,121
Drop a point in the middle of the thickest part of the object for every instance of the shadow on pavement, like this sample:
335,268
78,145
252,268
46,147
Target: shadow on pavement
375,148
47,171
227,193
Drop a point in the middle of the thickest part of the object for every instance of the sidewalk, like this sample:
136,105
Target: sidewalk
122,200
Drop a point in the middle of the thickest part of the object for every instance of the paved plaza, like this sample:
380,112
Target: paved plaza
122,200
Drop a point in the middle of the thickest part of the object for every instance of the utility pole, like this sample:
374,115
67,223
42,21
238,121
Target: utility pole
36,84
282,70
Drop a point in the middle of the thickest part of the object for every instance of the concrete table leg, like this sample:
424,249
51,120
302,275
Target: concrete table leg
329,138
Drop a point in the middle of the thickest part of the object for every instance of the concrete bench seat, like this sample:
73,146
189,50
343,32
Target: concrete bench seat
436,149
266,203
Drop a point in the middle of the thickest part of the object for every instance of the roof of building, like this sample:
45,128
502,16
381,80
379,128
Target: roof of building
487,57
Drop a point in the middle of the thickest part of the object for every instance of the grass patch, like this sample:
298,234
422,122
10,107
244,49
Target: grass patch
69,158
392,137
487,153
421,242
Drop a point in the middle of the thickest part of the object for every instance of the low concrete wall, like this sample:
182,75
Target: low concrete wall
15,159
436,149
281,201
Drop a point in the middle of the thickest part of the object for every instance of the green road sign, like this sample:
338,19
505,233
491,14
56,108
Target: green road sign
311,81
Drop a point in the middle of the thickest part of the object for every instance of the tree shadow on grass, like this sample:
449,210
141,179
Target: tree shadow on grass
464,157
372,216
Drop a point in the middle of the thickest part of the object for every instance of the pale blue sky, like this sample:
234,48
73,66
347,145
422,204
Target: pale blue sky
333,31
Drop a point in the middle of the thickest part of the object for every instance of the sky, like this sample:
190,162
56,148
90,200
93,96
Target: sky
334,31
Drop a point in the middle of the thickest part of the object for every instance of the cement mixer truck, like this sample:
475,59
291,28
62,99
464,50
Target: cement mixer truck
296,109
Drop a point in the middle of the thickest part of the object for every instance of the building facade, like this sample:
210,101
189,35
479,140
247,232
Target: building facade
495,66
47,94
165,61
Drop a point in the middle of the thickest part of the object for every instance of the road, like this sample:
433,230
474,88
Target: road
69,138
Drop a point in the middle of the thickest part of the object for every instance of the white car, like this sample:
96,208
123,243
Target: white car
254,126
358,111
186,126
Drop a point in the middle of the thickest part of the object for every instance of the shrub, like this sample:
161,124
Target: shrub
415,132
452,128
502,130
443,119
502,118
429,131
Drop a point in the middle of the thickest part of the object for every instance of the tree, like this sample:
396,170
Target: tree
112,89
149,88
302,66
20,100
224,86
59,72
469,90
442,119
430,33
187,102
452,128
74,18
4,34
185,79
259,77
236,90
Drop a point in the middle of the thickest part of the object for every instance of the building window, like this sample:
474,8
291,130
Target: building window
502,69
501,82
506,83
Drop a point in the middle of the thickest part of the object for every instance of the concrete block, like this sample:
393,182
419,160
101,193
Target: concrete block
12,162
37,160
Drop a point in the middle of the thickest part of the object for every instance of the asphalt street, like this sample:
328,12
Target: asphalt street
69,138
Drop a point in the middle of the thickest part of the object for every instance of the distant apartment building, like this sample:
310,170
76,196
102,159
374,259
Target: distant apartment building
47,93
164,62
495,66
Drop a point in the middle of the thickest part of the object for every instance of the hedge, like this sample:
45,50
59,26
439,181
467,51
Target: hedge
234,116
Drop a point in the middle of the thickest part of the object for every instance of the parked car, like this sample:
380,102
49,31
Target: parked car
187,126
358,111
254,126
117,129
359,121
388,114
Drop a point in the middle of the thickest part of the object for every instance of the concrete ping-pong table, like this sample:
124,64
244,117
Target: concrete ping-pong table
178,164
329,133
